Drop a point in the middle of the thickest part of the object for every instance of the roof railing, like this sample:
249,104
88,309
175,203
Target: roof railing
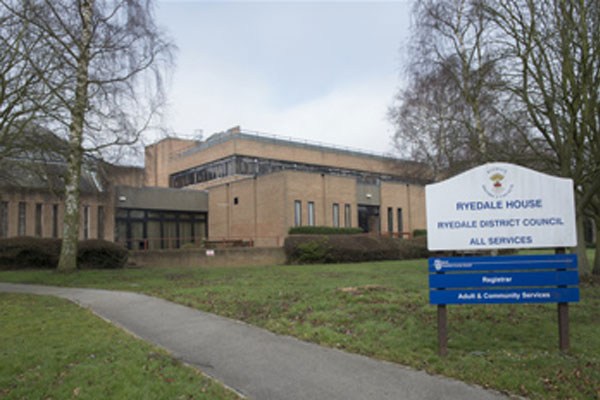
224,136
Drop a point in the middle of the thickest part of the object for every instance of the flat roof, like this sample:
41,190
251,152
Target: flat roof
237,133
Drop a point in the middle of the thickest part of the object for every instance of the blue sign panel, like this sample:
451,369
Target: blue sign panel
500,279
467,264
540,295
523,279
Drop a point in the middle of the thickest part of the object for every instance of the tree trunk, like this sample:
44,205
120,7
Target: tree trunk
584,265
596,270
68,251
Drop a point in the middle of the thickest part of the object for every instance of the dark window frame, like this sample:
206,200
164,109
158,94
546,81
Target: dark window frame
22,227
4,219
39,209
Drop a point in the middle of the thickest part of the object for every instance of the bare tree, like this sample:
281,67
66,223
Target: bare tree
103,76
453,36
552,60
528,73
22,98
452,114
427,127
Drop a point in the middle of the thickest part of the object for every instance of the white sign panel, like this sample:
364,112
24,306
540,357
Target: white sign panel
499,206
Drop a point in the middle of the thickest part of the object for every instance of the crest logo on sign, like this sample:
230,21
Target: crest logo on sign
497,185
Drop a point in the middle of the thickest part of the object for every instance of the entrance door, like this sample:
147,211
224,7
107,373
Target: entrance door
368,218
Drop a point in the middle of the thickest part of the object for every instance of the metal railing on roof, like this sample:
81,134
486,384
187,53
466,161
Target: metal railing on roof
278,139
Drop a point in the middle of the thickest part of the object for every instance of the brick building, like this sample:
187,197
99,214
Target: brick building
236,185
260,185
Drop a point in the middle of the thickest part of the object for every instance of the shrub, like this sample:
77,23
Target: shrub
29,252
42,253
413,248
351,248
419,232
100,254
314,251
323,230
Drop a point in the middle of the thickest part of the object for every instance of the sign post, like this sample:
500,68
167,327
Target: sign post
502,206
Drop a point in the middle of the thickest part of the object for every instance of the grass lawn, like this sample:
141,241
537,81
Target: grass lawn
381,310
52,349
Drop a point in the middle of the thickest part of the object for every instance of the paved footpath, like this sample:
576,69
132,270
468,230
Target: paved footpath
254,362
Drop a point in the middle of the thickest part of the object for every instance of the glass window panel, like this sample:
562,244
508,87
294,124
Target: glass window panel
122,213
336,215
347,216
86,222
311,213
4,219
121,234
136,214
400,223
390,219
154,235
22,218
55,220
170,234
200,217
297,213
185,232
38,220
100,222
199,230
137,235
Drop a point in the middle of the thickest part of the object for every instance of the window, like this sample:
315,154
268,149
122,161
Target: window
400,227
86,222
38,220
336,215
159,229
311,213
297,213
4,219
100,222
347,216
54,220
22,218
390,219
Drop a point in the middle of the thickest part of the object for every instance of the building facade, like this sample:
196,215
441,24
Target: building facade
236,185
261,185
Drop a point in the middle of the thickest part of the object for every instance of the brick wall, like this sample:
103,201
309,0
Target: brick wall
47,200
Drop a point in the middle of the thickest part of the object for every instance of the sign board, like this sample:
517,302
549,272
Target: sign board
500,205
507,279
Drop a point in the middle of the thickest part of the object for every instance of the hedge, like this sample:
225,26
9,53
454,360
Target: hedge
322,249
419,232
43,253
323,230
100,254
29,252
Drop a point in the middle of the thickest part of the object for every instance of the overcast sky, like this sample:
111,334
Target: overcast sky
324,71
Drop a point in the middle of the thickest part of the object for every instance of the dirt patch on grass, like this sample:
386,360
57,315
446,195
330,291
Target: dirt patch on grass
178,277
356,290
590,280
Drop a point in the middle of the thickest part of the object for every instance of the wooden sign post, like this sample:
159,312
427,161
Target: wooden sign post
501,280
502,206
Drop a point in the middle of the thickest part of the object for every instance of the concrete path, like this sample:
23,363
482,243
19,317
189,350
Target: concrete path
255,362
